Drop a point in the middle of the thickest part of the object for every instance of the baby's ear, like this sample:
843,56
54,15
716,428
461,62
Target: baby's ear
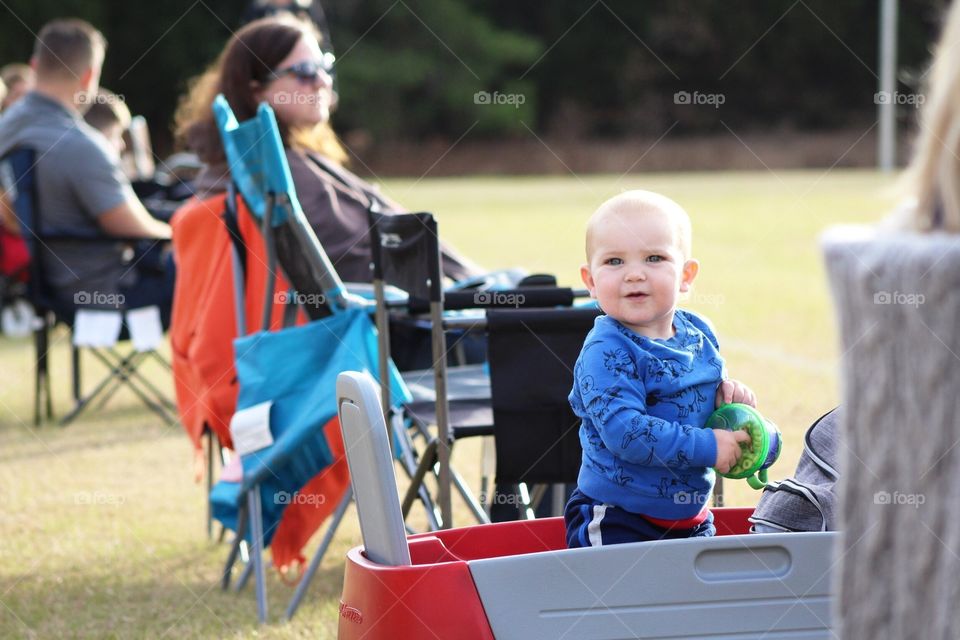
587,278
690,270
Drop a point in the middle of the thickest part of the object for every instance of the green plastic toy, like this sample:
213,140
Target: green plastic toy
765,441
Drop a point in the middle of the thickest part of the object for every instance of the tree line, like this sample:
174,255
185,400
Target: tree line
416,69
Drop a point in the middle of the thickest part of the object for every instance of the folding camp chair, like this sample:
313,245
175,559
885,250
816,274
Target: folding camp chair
288,375
406,254
537,436
18,181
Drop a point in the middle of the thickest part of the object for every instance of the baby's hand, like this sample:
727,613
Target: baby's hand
735,391
728,448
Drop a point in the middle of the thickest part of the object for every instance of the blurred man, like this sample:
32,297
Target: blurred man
82,189
19,79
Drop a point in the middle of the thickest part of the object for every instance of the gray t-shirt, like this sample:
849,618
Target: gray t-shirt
78,178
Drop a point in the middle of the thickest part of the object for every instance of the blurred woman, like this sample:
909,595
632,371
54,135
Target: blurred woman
278,60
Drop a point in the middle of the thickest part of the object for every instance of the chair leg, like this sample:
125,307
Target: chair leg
471,501
321,551
559,499
531,500
124,369
209,474
256,552
718,492
42,396
134,372
75,362
407,458
430,508
159,358
40,361
48,394
235,547
83,401
487,470
427,463
244,577
121,370
223,458
124,366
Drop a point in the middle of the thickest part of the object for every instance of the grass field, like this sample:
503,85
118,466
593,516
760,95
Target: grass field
102,527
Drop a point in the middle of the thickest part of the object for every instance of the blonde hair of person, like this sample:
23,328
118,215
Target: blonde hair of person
933,175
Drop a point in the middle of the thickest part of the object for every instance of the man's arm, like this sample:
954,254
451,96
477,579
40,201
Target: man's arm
131,220
104,192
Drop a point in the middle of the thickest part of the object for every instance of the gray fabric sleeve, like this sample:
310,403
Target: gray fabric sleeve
96,177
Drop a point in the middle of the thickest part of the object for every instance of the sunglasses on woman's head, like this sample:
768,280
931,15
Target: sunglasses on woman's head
308,70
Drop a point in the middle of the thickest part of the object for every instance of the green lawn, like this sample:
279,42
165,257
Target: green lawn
102,527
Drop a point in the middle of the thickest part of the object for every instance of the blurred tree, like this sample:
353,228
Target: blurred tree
613,66
153,49
411,69
414,69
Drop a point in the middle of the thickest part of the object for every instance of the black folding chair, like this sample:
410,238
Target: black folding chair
406,254
532,355
18,182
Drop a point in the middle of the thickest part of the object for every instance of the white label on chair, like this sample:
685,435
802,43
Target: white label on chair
96,328
146,330
250,428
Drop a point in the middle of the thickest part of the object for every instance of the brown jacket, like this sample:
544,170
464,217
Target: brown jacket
335,202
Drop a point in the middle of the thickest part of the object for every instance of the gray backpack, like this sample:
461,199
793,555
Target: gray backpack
807,501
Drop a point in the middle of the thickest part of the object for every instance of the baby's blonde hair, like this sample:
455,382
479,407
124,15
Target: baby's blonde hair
639,201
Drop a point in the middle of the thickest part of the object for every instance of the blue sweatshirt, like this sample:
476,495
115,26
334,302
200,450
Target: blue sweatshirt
644,403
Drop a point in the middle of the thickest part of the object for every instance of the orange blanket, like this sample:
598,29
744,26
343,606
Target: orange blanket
202,330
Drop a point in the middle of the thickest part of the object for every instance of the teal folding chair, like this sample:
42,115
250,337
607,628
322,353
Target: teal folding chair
294,369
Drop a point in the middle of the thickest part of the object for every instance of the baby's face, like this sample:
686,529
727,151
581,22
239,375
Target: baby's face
636,270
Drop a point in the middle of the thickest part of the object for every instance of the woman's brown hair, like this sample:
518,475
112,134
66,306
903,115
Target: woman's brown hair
249,57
